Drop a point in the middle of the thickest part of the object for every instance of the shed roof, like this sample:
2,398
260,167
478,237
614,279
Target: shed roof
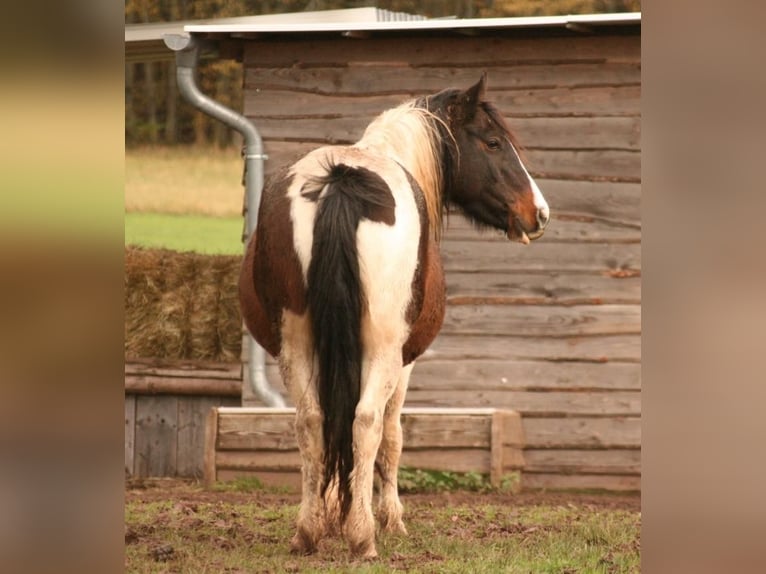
578,22
144,41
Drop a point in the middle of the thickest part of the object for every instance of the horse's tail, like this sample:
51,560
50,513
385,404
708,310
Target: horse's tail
336,302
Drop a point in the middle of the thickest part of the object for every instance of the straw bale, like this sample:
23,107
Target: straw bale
181,305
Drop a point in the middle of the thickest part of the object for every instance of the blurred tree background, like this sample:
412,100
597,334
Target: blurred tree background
155,114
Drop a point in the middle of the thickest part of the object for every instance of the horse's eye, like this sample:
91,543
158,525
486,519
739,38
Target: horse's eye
493,144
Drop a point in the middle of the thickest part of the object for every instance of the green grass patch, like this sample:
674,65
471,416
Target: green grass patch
197,233
414,480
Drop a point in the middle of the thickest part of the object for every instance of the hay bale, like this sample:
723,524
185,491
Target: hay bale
181,305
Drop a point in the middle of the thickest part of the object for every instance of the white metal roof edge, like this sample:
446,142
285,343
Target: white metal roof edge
432,24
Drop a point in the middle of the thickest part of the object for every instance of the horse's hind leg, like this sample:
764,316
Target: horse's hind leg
390,507
379,381
310,524
296,368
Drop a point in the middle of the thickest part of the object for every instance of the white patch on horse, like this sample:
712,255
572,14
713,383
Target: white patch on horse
540,202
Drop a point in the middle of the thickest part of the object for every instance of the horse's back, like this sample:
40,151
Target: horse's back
400,275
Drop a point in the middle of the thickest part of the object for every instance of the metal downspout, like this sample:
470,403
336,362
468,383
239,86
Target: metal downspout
187,50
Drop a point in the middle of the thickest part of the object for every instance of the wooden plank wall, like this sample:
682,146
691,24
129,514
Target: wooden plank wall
165,410
551,329
261,442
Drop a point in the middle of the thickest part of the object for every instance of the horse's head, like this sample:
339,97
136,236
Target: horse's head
487,179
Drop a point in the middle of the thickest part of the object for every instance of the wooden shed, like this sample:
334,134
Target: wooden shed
551,330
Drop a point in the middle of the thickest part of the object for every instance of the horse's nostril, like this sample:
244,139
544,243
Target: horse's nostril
543,215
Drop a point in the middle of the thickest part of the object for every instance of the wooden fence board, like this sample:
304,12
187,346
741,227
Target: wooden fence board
562,228
491,256
156,435
130,435
383,79
626,483
448,459
161,384
460,431
550,403
612,201
444,459
183,369
588,100
620,348
582,432
246,432
617,461
471,376
209,470
620,165
541,288
542,321
192,412
491,49
267,460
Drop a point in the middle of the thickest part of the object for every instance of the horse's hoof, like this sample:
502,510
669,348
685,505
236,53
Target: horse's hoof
365,551
302,545
395,527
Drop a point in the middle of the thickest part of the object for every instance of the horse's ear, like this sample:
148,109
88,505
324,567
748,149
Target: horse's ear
476,92
465,104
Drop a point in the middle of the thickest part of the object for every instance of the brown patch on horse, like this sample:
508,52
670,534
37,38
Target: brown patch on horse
425,312
272,278
429,320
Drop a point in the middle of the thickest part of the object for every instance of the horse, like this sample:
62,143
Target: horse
342,283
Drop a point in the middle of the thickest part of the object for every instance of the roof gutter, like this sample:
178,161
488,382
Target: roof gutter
187,48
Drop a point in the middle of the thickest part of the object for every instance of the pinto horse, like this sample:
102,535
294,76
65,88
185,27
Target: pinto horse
342,282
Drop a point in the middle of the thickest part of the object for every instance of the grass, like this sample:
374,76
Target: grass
251,533
198,233
184,199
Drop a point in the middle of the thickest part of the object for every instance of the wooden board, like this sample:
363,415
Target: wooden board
130,435
541,288
156,436
183,369
570,461
472,375
493,256
382,79
563,227
491,49
458,440
550,403
609,201
562,102
191,434
209,470
582,432
624,483
272,431
244,432
161,384
542,321
619,348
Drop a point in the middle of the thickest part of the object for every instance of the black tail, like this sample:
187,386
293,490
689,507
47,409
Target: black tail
336,303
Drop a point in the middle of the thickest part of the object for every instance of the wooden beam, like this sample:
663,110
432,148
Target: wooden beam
211,431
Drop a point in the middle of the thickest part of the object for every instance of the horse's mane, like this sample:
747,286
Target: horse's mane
410,135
